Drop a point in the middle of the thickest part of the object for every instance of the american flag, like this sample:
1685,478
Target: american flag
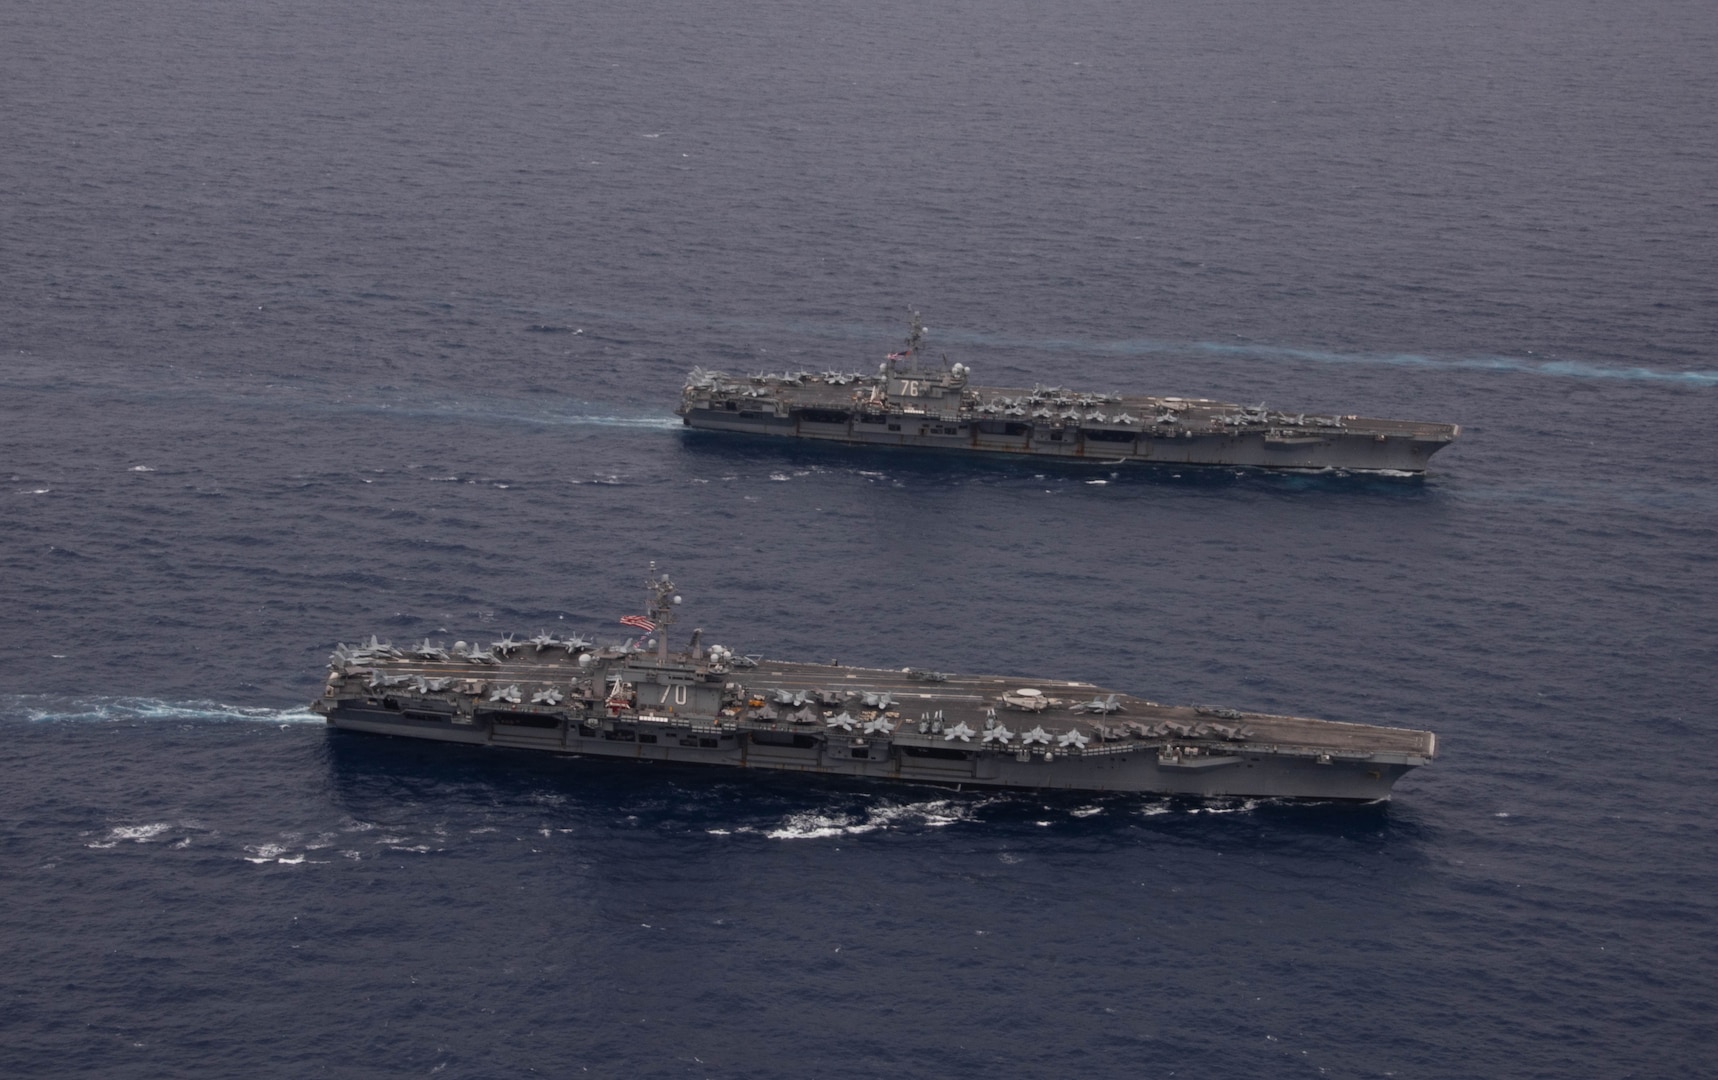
639,621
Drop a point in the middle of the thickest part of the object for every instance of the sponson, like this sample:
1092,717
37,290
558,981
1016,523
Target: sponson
715,706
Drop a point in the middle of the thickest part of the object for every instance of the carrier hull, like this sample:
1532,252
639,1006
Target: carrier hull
1263,777
1405,451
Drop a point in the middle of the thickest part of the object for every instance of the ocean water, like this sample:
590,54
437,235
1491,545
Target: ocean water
319,320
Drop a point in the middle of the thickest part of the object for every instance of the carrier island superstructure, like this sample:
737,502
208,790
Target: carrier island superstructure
641,701
912,403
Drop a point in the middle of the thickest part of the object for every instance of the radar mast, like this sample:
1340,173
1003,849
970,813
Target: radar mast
659,608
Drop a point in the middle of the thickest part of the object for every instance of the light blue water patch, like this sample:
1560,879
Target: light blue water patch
311,399
1577,369
502,412
1564,368
43,709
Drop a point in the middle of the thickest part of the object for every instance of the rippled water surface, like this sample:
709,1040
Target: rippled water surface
321,320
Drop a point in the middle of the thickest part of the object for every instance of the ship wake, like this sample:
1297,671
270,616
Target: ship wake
37,708
1570,369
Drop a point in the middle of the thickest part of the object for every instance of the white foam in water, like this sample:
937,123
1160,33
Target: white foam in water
814,825
140,833
263,853
1245,805
137,834
129,709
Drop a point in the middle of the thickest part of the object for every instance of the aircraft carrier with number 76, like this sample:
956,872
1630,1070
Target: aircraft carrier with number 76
638,700
910,403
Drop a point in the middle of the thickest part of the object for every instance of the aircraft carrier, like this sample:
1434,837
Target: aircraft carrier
912,403
639,701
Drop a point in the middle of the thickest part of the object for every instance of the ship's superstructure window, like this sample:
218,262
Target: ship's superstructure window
824,416
522,719
934,752
782,738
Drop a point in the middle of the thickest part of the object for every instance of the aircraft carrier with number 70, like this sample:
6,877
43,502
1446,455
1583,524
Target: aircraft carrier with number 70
638,700
912,404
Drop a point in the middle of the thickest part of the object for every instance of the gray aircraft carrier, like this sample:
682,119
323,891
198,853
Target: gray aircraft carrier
910,403
715,706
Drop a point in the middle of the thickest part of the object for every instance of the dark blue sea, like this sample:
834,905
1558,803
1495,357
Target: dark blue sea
322,319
